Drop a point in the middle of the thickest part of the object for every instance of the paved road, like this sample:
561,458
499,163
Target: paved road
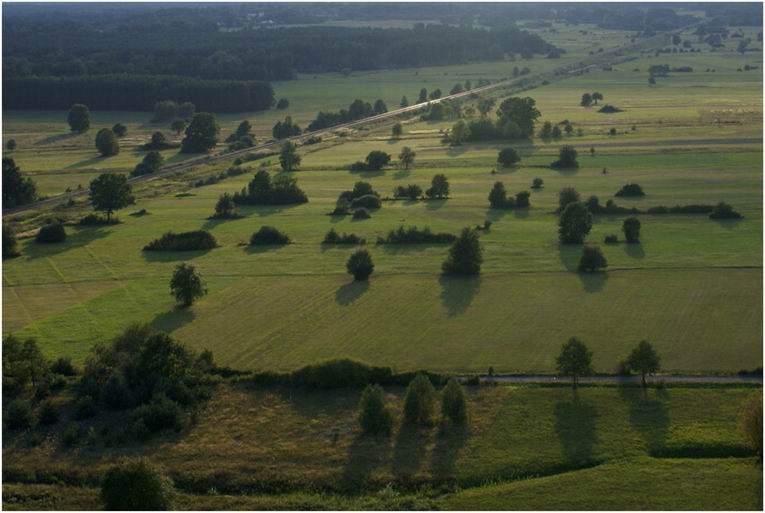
515,85
545,379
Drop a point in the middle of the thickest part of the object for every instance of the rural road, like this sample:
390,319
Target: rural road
522,83
623,380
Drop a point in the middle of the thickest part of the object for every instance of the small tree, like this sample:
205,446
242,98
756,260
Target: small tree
225,206
406,157
751,422
586,100
574,360
465,255
439,187
10,245
419,401
537,183
423,96
380,107
288,157
136,485
178,126
110,192
566,158
644,360
631,229
460,132
592,259
119,130
106,143
11,145
574,224
397,130
374,416
78,118
186,110
404,102
201,134
186,284
453,403
360,265
498,196
508,157
282,104
596,97
17,188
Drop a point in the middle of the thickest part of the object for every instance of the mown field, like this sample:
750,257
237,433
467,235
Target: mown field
673,448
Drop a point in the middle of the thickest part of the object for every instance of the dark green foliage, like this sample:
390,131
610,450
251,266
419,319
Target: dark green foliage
380,107
611,239
198,240
414,235
453,402
11,145
508,157
360,265
97,220
366,201
10,245
439,187
85,408
158,141
644,360
48,414
24,367
374,416
186,284
374,161
609,109
630,190
411,191
465,255
358,109
17,189
165,110
19,414
751,422
574,224
286,128
332,237
406,157
565,196
78,118
631,229
724,211
518,112
419,402
522,199
151,163
159,414
574,360
201,134
261,190
119,130
268,235
136,485
396,131
51,233
282,104
566,158
361,213
106,143
586,100
178,126
498,197
288,157
592,258
110,192
537,183
225,207
63,366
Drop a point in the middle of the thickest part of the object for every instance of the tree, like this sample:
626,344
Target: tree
225,206
537,183
458,88
11,145
586,100
78,118
435,94
106,143
404,102
751,422
286,128
374,416
596,97
453,403
244,128
360,265
17,189
151,163
419,401
10,246
508,157
498,196
178,126
569,129
522,199
565,196
574,360
397,130
465,255
288,156
631,229
186,110
201,134
406,157
110,192
566,158
644,360
521,112
556,133
164,110
651,80
423,96
574,224
136,485
592,258
376,159
282,104
119,130
186,284
439,187
459,133
546,131
380,107
485,105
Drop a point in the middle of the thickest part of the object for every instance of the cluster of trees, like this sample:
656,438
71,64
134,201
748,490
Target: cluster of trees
575,220
465,255
374,161
332,237
169,110
201,134
630,190
358,109
508,157
242,138
567,156
498,198
286,128
516,118
590,99
106,142
550,131
289,159
362,196
151,163
414,235
439,189
18,189
262,190
197,240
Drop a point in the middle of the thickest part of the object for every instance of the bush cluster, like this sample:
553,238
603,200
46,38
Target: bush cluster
630,190
411,191
414,235
282,190
724,211
332,237
498,198
268,235
186,241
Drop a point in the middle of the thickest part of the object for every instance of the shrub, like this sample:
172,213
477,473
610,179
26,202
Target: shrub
85,408
522,199
574,224
116,394
414,235
10,244
341,373
498,197
609,109
631,229
136,485
412,191
49,413
630,190
198,240
106,143
565,196
566,158
282,190
366,201
592,259
361,214
611,239
453,403
419,401
63,366
332,237
159,414
268,235
225,208
508,157
751,422
19,414
374,161
360,265
537,183
374,416
465,255
51,233
724,211
186,284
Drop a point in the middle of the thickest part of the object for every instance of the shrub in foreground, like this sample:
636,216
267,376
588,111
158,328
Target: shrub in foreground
185,241
374,416
268,235
136,485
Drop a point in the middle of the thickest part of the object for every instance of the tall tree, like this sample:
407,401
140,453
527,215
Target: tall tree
288,157
423,96
201,134
574,360
586,100
110,192
631,229
644,360
17,189
78,118
574,224
439,187
465,255
380,107
404,102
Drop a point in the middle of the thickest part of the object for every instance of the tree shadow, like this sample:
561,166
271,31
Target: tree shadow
648,414
365,453
409,451
368,173
401,174
495,214
456,151
566,171
172,319
569,255
521,213
457,293
86,163
82,236
173,256
56,138
634,250
728,224
593,282
263,248
435,204
451,439
212,222
575,426
350,292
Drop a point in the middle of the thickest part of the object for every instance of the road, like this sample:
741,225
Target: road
624,380
516,84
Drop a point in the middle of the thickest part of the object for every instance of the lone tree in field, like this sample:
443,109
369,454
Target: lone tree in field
574,224
566,158
631,229
419,401
565,196
439,187
592,259
106,143
498,196
465,255
751,422
574,360
508,157
201,134
406,157
288,157
17,189
136,486
119,130
360,265
586,100
537,183
644,360
186,284
397,130
453,403
110,192
485,105
380,107
78,118
374,416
